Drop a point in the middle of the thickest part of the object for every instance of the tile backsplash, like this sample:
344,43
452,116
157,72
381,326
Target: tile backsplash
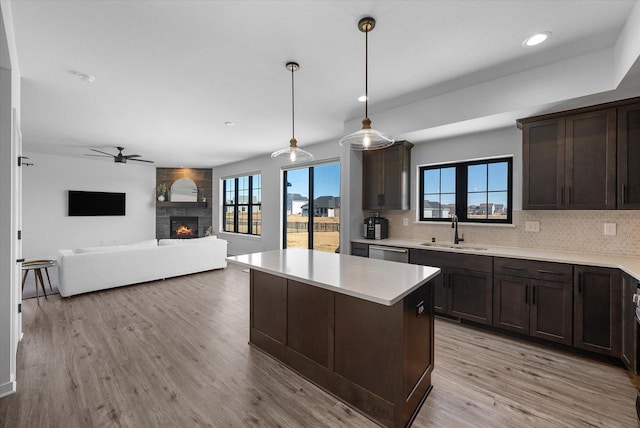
580,231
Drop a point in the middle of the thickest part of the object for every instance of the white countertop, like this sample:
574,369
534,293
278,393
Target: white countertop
377,281
628,264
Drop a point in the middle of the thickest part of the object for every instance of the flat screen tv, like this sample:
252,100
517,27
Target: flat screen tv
96,203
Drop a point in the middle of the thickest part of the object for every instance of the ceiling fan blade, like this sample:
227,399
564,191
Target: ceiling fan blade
132,156
104,153
99,156
141,160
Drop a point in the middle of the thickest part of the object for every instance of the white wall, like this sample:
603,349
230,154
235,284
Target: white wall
271,170
499,142
46,226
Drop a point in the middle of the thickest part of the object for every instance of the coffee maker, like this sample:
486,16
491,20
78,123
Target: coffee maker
376,227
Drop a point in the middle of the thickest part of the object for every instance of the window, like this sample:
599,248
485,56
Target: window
242,204
311,213
475,191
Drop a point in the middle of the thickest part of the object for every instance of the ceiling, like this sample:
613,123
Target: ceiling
169,74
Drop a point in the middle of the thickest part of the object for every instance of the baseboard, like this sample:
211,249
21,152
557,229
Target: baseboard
7,389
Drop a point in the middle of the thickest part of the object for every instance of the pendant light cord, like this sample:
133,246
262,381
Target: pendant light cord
366,73
293,115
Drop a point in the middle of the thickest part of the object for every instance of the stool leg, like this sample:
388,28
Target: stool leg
39,271
35,279
46,270
24,278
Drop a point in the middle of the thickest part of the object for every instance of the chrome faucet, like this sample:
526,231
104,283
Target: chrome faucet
454,225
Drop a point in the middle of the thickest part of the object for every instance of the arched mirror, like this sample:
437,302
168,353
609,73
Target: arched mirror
184,190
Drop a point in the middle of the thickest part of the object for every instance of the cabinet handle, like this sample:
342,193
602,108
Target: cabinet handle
534,295
512,268
450,276
624,194
561,195
550,272
526,293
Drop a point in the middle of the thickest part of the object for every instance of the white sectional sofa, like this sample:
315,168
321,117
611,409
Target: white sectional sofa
98,268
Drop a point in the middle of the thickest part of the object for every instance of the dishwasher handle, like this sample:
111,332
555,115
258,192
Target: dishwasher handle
393,250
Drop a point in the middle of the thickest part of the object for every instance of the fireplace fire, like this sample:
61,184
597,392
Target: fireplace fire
183,227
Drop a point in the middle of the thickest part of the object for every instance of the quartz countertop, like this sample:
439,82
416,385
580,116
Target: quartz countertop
377,281
628,264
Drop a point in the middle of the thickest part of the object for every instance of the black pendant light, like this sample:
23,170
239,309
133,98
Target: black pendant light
293,152
367,138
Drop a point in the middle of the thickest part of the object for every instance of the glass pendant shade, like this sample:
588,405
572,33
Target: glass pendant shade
293,153
366,138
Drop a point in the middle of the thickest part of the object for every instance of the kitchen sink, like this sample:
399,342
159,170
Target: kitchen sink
454,246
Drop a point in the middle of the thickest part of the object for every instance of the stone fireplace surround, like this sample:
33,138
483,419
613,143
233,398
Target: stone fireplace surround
203,211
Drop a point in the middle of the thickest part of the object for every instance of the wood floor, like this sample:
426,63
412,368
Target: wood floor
174,353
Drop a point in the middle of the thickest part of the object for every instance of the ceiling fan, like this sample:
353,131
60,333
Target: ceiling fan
119,158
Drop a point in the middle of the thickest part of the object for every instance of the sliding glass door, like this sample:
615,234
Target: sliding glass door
311,211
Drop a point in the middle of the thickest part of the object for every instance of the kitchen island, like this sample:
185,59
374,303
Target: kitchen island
360,329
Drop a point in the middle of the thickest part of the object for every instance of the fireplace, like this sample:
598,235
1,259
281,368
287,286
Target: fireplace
183,227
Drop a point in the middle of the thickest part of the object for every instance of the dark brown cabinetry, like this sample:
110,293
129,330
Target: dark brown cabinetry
386,177
543,164
376,358
629,157
597,312
466,293
629,350
533,298
359,249
569,162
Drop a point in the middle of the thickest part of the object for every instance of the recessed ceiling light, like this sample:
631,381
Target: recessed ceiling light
536,39
230,124
83,76
362,98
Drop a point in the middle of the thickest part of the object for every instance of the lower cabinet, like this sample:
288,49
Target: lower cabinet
597,296
629,351
462,293
535,307
359,249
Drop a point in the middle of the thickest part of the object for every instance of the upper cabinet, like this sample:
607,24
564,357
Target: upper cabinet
386,176
584,159
629,157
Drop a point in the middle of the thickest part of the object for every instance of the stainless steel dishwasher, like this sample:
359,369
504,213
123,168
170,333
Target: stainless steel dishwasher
393,254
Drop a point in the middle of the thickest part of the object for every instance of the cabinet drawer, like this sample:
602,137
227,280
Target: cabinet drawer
440,259
557,272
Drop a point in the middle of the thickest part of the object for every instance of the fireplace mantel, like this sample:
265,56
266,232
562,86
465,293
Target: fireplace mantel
166,204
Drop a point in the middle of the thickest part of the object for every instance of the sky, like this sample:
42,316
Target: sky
326,180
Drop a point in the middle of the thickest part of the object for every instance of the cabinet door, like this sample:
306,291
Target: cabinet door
372,176
543,164
359,249
440,285
590,180
629,157
629,351
471,295
597,323
511,303
551,311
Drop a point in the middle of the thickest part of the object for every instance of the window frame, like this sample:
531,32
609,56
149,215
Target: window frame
236,205
461,190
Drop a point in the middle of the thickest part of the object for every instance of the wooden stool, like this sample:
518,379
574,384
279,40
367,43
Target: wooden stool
36,266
